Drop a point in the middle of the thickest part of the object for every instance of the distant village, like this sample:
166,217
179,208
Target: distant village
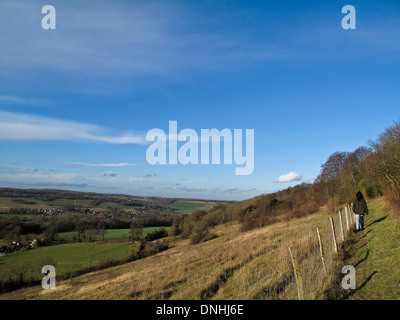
53,211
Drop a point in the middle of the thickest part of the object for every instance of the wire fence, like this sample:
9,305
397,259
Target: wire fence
308,267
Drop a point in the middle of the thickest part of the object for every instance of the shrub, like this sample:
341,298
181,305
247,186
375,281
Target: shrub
153,248
202,236
333,204
156,234
197,237
309,208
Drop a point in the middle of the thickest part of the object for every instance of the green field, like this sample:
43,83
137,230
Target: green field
114,205
113,234
5,215
6,201
68,202
116,233
64,257
187,206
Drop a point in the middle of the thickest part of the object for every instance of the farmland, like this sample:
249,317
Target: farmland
65,258
190,206
114,234
100,203
69,257
26,202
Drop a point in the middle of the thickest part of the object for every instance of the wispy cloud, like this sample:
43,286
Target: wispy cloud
291,176
19,126
189,189
131,40
120,47
22,100
236,190
83,164
37,178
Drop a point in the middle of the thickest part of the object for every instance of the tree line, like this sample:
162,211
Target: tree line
14,228
374,170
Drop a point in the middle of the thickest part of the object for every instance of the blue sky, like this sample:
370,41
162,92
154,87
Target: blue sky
76,102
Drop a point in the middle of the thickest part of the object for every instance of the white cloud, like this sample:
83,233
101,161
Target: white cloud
19,126
291,176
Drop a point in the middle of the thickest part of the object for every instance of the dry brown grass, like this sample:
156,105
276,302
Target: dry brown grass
235,265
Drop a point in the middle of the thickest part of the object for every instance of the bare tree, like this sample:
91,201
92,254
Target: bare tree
136,229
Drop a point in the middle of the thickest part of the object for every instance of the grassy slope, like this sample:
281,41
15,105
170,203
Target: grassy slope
375,253
221,268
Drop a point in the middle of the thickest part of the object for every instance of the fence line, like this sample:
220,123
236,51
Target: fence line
301,278
261,276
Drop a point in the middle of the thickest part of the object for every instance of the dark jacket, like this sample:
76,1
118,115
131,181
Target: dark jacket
360,207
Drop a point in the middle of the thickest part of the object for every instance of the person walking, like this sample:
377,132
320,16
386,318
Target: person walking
360,209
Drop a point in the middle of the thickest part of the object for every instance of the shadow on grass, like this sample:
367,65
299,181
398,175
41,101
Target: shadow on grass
365,234
362,285
363,259
363,245
377,221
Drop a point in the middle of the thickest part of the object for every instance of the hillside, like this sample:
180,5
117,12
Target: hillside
43,200
250,265
235,265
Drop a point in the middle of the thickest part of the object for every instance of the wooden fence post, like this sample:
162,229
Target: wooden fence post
347,210
321,249
352,214
341,225
334,235
351,217
347,220
297,276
